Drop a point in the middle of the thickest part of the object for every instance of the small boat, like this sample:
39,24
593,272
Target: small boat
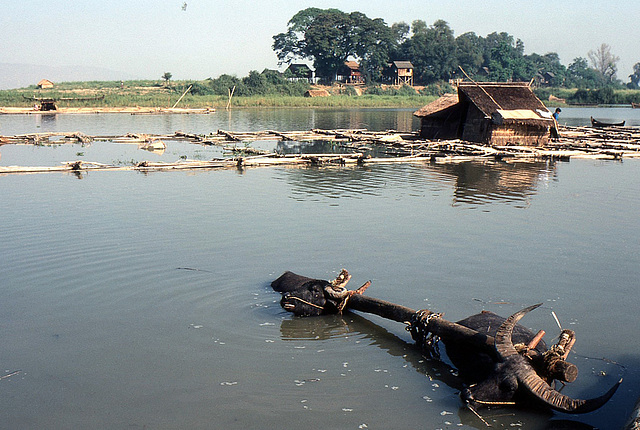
596,123
635,105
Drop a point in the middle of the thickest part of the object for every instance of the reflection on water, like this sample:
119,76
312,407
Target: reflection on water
314,328
471,184
513,183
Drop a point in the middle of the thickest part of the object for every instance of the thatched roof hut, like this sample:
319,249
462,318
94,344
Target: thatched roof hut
494,113
317,93
45,84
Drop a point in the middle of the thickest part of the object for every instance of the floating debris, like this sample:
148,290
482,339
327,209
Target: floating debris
613,143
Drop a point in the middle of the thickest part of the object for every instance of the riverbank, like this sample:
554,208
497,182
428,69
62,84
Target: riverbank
197,95
215,94
211,103
137,110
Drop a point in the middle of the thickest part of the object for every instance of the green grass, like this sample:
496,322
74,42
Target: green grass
157,94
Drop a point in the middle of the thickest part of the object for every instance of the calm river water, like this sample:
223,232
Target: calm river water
133,300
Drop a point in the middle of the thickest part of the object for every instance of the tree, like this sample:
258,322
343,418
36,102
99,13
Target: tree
469,52
401,31
603,60
580,75
329,37
167,77
550,63
431,50
634,78
504,58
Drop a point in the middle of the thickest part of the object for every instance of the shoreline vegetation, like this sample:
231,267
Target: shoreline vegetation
105,96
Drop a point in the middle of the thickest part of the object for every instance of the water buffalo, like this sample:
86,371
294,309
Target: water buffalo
489,351
513,377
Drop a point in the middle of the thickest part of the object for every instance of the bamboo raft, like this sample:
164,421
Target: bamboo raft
612,143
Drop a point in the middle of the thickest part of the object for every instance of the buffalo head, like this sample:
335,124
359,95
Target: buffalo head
513,376
301,295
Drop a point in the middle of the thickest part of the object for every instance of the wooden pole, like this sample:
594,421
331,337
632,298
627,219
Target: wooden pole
438,326
231,91
183,94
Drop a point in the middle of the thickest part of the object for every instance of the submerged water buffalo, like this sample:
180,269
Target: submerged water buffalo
501,361
516,374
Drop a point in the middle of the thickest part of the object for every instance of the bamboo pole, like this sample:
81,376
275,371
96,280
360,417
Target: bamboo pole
231,91
183,94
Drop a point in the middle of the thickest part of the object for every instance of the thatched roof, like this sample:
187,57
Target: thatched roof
490,97
45,83
501,101
444,102
299,67
403,64
353,65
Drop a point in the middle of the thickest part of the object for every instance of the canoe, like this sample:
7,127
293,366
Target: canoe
596,123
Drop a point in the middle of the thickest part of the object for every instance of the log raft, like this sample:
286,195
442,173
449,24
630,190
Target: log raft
576,142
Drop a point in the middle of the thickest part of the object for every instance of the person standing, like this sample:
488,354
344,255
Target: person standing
554,128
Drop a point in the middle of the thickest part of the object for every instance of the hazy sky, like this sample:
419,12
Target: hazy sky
145,38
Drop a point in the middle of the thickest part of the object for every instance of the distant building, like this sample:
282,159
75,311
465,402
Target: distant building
299,72
317,93
45,84
495,113
399,73
349,73
545,79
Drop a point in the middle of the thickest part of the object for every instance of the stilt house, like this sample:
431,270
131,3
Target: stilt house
494,113
400,73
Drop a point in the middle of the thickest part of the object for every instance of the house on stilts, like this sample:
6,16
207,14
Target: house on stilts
493,113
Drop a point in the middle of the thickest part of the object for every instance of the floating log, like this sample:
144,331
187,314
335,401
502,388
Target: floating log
229,136
611,143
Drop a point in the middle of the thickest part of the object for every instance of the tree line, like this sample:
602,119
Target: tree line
329,37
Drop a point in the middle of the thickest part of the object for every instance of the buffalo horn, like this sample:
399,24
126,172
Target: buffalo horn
529,379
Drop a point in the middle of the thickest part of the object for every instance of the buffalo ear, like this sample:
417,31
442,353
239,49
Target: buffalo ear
288,282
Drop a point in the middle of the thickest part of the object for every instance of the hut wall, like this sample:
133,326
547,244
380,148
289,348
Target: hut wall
518,134
446,124
476,126
438,128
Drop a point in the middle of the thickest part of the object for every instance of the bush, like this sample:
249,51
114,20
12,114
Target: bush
437,89
604,95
